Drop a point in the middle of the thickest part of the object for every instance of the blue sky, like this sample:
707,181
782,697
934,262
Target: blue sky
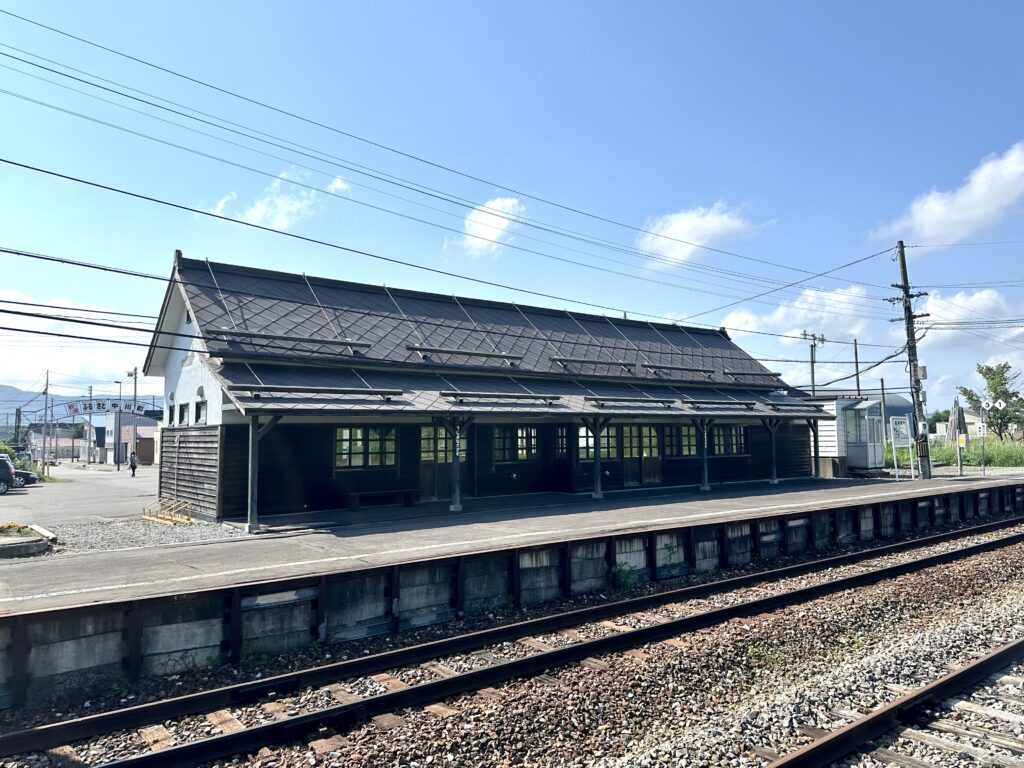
801,134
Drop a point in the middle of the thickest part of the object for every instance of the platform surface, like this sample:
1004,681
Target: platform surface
88,577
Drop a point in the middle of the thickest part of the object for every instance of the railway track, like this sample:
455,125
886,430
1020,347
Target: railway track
944,715
491,656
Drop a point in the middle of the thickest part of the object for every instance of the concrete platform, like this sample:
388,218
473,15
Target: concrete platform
78,579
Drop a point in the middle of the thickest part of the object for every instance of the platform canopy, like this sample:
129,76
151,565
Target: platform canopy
340,390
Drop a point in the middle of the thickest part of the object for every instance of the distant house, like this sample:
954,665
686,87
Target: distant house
287,393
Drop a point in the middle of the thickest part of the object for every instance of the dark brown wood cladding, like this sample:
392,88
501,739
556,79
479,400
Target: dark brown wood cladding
190,460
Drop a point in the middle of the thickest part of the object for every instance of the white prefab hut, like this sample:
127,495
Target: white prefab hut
854,443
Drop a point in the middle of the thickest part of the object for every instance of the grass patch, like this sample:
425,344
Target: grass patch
998,453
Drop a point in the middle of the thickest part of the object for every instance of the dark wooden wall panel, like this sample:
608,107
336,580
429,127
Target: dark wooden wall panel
190,467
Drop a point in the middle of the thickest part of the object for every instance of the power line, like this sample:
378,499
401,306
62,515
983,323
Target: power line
75,309
303,185
336,246
631,251
402,153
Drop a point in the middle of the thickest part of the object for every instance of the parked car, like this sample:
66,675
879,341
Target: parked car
23,477
6,473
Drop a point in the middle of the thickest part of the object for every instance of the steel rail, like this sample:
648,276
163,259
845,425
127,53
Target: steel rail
56,734
349,714
842,741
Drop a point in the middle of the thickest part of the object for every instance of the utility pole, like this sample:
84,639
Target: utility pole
916,391
135,399
46,410
816,341
856,365
17,426
92,431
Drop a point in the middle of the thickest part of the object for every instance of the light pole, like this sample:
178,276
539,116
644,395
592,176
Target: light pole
134,375
117,429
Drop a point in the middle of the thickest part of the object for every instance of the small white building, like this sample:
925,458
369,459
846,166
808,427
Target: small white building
853,444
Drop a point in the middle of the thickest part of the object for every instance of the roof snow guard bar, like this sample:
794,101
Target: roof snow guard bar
227,332
295,389
771,374
462,396
685,368
565,362
810,406
668,402
748,404
426,352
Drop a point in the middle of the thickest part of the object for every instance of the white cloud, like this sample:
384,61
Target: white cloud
281,206
813,310
985,197
703,226
337,185
482,223
223,203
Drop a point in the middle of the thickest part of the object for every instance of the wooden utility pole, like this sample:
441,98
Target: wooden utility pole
46,411
816,340
916,392
856,365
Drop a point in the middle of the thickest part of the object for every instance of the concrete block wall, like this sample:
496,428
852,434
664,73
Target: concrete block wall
359,605
541,572
846,532
770,542
426,595
706,548
486,584
184,633
738,544
124,640
670,554
798,532
886,520
866,523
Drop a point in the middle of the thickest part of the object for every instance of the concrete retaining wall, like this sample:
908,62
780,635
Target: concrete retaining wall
76,648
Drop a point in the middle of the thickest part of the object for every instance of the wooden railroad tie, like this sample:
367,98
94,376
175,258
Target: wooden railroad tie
438,669
440,711
157,737
341,695
388,721
622,628
224,720
65,757
328,744
275,709
537,645
390,682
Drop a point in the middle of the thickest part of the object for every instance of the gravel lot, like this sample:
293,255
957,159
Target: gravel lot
96,535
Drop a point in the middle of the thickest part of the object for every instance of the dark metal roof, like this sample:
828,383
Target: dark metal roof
384,323
343,390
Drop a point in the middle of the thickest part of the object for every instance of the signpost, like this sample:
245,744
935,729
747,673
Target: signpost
961,443
987,406
899,428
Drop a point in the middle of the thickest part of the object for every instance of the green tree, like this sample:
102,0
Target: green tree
938,417
1001,383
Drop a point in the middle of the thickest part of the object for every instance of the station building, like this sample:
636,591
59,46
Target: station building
287,393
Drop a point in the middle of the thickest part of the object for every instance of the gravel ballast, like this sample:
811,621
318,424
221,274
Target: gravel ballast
710,698
102,535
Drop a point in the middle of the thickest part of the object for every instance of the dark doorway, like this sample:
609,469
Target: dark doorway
436,463
641,455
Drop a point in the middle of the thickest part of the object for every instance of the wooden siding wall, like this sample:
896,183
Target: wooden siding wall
190,459
297,467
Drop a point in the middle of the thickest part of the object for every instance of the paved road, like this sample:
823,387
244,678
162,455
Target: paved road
52,582
93,493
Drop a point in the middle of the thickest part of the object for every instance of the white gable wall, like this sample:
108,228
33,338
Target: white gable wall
185,373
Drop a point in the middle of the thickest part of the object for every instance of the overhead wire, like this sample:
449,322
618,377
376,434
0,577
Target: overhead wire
303,185
639,253
337,246
380,145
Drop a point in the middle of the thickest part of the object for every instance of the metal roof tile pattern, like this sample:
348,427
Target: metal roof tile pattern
226,298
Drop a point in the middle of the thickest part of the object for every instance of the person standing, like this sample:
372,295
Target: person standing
133,462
